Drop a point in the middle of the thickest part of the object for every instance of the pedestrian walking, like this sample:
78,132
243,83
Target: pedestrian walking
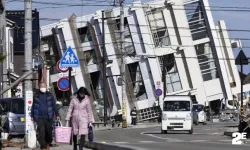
43,111
133,114
81,112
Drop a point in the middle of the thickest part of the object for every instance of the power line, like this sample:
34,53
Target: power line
237,9
145,25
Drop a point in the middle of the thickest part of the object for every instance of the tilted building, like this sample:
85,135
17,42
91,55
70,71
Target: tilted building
180,33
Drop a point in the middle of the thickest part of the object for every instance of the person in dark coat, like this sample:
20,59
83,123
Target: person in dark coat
133,115
43,111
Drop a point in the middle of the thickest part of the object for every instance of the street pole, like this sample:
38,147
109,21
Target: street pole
241,86
123,65
3,50
69,95
28,66
3,45
104,70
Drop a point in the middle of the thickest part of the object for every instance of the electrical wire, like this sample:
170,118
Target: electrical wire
222,8
76,48
145,25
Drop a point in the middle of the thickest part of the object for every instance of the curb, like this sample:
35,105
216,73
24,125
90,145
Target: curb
102,146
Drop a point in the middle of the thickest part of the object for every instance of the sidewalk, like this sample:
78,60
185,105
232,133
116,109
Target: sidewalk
60,147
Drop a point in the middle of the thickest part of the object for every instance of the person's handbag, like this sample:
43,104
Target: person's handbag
32,142
90,134
62,134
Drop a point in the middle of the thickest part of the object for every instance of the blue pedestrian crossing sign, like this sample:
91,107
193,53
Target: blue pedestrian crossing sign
69,59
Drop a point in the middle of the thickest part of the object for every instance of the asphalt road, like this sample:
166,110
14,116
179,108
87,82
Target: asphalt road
205,137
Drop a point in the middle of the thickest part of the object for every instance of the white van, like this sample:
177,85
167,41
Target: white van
177,114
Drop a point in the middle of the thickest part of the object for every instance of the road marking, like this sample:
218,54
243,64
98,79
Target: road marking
147,141
121,142
162,138
198,140
206,133
225,140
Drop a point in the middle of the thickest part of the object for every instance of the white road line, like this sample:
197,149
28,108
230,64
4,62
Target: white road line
198,140
206,133
162,138
147,141
121,142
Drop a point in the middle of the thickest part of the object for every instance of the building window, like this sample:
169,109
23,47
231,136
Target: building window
206,61
173,81
158,28
90,57
196,20
84,34
137,83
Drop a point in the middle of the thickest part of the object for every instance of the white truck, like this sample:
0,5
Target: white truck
177,114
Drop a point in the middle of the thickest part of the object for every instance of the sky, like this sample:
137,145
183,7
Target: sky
236,19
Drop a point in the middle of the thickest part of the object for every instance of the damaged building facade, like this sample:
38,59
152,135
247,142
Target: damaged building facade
178,37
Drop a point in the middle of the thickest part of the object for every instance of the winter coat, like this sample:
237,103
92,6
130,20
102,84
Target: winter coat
81,115
52,109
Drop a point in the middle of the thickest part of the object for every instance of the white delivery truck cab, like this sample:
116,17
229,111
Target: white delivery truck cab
177,114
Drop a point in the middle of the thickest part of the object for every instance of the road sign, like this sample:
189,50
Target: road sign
158,92
158,83
60,68
241,59
63,84
70,59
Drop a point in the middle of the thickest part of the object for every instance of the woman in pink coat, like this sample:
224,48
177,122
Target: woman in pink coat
81,112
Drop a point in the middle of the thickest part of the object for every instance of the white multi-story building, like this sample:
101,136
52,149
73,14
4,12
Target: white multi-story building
179,35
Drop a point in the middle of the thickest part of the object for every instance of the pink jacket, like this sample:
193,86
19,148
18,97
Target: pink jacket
81,115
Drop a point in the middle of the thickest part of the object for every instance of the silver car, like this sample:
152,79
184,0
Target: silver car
13,115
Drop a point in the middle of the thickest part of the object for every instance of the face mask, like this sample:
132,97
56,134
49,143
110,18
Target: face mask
43,90
81,96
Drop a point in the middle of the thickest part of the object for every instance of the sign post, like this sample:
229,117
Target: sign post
158,93
69,60
241,60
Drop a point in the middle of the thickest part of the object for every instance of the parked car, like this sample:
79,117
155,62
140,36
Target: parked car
13,112
199,110
13,115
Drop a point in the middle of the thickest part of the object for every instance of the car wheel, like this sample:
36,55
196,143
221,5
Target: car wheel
204,123
164,131
190,131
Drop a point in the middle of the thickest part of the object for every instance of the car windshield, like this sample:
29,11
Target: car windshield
176,106
198,108
17,106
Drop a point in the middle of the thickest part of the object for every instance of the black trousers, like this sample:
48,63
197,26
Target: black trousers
81,144
44,127
133,121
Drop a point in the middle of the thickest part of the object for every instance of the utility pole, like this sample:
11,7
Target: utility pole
104,70
123,65
28,66
3,44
